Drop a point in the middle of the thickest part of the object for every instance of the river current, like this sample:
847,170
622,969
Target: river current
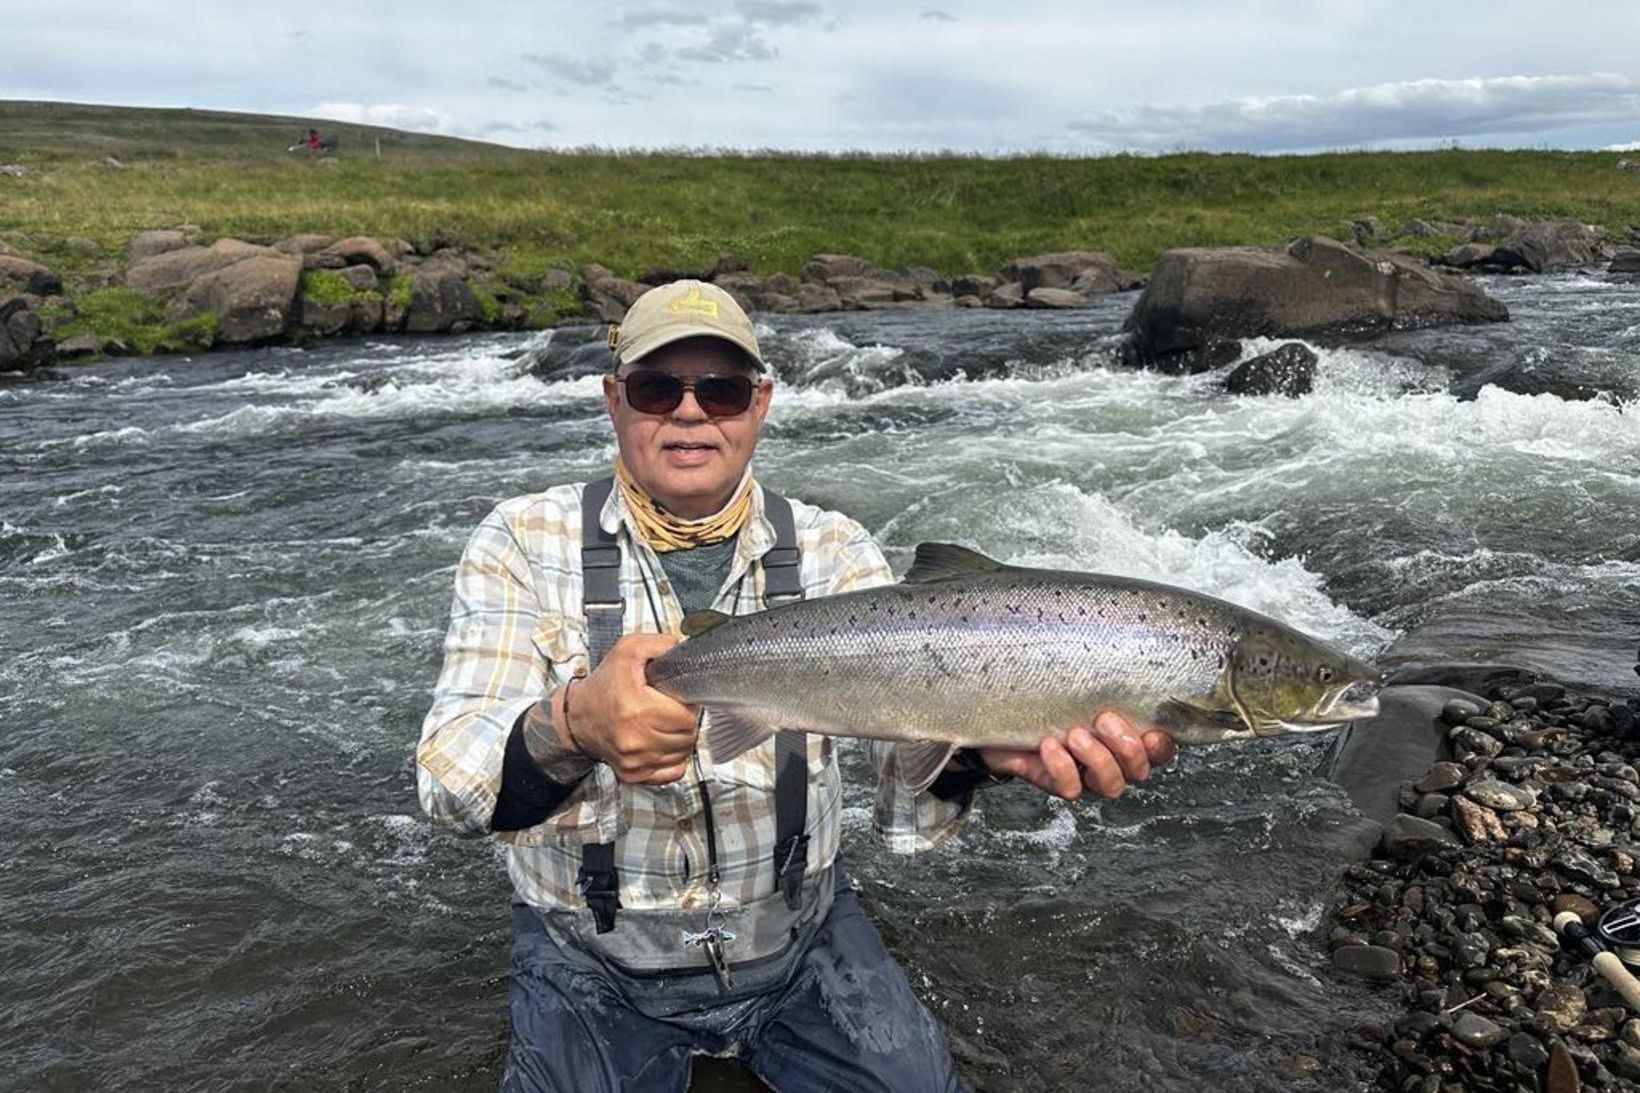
224,582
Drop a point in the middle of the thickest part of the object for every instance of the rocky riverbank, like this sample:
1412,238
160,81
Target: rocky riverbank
174,292
1535,810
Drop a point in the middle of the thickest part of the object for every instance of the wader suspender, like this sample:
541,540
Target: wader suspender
601,597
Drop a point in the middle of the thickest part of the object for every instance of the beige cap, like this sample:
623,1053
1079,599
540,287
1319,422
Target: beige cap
683,309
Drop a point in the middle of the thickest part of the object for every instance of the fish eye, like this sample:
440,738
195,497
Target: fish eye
1324,674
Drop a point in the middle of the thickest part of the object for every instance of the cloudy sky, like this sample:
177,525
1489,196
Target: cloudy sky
1054,75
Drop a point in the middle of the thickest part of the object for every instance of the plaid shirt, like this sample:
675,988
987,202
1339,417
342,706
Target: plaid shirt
518,631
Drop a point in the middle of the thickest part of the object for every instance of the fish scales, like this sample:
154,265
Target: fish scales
1002,657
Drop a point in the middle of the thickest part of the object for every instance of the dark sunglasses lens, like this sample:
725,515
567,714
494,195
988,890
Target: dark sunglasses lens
724,395
654,392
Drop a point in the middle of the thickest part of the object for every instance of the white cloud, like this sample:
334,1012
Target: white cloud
727,43
1631,146
573,70
1412,110
394,115
777,12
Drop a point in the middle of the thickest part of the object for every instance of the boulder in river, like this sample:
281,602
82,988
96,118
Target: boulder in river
1288,370
362,250
607,295
1627,260
1200,298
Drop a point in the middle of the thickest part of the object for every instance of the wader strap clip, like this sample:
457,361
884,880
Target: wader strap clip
782,563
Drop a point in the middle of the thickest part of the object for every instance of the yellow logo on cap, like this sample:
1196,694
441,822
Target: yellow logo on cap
693,302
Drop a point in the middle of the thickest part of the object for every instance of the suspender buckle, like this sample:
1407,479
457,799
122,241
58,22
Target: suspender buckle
601,889
791,859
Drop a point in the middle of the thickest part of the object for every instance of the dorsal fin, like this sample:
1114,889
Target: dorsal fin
942,561
698,622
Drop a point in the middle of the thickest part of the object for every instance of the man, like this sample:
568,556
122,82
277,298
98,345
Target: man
667,904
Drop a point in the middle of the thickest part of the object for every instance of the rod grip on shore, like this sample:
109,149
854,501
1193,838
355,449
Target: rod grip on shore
1611,969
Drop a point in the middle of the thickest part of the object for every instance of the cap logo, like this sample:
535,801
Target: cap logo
693,302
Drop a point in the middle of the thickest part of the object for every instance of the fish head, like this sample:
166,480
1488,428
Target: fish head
1282,681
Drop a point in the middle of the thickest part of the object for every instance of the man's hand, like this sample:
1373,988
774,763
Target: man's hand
614,715
1117,751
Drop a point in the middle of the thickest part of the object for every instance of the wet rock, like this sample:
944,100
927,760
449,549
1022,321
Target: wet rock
1499,796
1562,1074
1288,371
1475,1031
1477,823
1627,260
1409,837
442,300
1561,1006
24,347
1054,298
1577,864
1459,710
1441,777
1431,805
1368,962
1527,1051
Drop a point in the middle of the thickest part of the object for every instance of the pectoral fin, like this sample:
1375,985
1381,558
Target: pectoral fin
731,730
919,762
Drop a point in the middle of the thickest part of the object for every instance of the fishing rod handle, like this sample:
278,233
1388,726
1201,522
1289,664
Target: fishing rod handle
1617,974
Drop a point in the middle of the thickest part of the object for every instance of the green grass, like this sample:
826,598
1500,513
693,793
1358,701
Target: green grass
230,175
136,320
327,287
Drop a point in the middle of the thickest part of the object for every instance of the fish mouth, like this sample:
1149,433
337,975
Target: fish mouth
1349,702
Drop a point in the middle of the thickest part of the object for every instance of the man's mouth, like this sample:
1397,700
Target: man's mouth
688,446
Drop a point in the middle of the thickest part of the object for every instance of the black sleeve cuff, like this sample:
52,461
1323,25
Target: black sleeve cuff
959,784
527,795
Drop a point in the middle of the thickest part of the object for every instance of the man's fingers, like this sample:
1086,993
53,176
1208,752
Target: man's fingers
665,776
1064,779
1160,747
1100,771
1119,735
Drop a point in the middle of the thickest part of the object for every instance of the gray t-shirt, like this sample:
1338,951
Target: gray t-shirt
697,573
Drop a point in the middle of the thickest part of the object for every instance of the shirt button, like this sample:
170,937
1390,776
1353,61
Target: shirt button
686,824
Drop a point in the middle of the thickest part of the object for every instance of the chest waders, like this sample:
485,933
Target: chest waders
658,943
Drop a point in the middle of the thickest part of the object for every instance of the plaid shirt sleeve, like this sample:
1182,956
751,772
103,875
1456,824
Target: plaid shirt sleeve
491,675
908,822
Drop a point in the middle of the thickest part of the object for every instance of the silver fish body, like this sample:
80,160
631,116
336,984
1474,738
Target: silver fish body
968,652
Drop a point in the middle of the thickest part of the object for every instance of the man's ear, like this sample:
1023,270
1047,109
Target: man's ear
761,400
612,394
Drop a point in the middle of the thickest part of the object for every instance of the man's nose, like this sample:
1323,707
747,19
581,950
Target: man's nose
689,409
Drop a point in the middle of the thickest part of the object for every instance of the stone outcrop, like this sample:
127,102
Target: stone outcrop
163,274
1288,370
1627,260
362,250
21,275
1201,301
441,300
608,296
23,344
152,243
1089,273
254,299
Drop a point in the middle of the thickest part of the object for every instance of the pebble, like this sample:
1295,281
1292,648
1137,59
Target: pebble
1442,776
1499,796
1527,1051
1561,1006
1476,1031
1536,809
1372,962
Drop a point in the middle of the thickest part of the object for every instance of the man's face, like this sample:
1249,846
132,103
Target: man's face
687,460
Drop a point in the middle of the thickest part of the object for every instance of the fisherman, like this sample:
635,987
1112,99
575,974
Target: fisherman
667,905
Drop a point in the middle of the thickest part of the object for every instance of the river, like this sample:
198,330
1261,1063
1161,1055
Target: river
224,582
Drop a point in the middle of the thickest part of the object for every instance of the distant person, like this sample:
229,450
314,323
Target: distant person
665,904
313,142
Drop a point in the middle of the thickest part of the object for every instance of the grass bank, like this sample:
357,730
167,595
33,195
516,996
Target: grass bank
231,175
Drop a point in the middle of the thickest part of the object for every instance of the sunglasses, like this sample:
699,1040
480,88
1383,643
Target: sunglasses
660,393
